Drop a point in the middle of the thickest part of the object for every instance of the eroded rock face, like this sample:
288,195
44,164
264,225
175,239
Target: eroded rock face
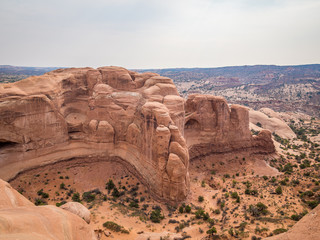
108,112
212,127
21,220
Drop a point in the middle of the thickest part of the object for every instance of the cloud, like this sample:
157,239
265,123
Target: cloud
147,34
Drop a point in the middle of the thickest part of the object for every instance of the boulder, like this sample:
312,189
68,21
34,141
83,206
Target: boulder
78,209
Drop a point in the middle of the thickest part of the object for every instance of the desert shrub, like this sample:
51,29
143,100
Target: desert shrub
199,213
203,184
62,186
76,197
253,192
305,164
200,199
110,185
279,190
188,209
279,230
217,211
234,195
58,204
258,209
297,217
212,231
115,227
115,193
45,195
42,194
181,209
39,201
134,204
312,204
88,196
307,193
156,216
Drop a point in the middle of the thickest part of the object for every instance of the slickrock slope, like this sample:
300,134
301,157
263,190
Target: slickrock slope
307,228
106,113
269,120
212,127
21,220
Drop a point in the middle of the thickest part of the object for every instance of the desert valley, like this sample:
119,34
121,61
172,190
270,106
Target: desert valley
111,153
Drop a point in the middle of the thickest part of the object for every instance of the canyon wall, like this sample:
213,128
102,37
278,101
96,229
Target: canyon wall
108,112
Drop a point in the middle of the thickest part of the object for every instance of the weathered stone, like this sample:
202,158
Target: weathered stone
78,209
104,112
212,127
21,220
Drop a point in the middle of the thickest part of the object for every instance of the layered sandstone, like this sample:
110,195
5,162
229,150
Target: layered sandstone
21,220
110,113
211,127
104,113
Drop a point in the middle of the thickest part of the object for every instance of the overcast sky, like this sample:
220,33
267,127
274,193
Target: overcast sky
159,34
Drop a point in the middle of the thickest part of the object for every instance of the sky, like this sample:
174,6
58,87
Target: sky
140,34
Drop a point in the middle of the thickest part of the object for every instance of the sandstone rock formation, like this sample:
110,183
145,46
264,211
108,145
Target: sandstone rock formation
78,209
112,114
106,113
269,120
21,220
212,127
306,228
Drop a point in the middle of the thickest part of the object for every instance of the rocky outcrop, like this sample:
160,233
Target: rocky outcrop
78,209
212,127
268,119
114,114
21,220
306,228
108,112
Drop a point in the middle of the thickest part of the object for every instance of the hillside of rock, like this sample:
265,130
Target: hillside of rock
21,220
270,120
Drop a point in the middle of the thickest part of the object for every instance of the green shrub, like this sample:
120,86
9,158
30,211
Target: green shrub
110,185
181,209
188,209
39,201
258,209
134,204
200,199
88,197
212,231
279,190
312,204
279,230
115,193
156,216
234,195
76,197
115,227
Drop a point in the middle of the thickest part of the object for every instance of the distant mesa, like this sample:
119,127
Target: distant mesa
113,114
